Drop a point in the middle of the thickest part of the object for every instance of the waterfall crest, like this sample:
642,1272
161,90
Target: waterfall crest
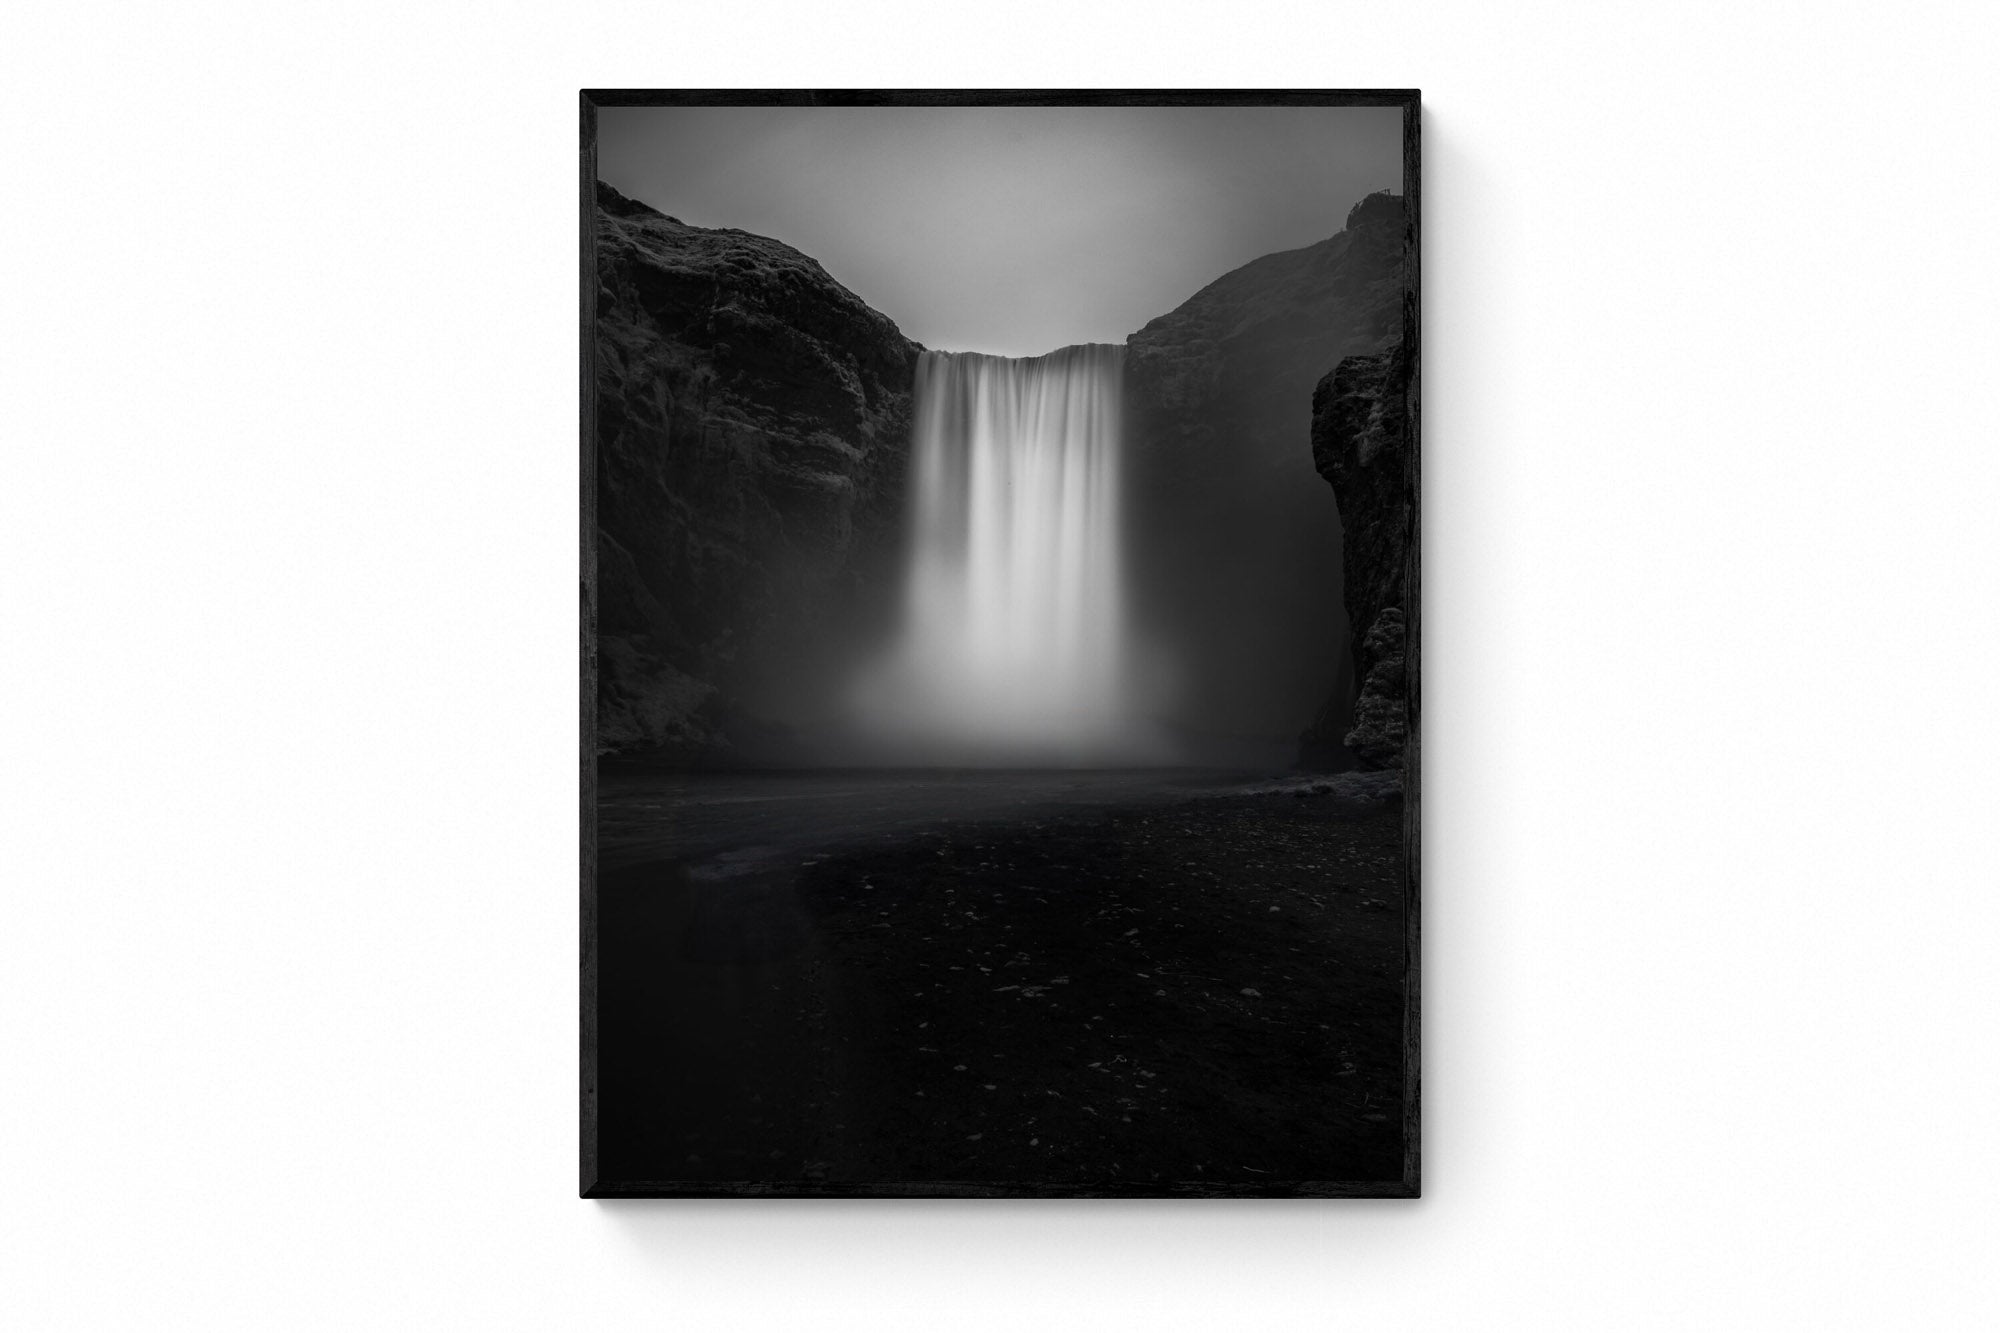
1013,641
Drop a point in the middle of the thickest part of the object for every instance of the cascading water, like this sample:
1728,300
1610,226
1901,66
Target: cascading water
1013,642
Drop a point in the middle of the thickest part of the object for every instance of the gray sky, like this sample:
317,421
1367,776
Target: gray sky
1013,230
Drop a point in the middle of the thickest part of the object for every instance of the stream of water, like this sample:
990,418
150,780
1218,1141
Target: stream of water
1013,643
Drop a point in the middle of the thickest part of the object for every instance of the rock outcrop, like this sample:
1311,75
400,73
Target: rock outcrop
1240,546
1362,445
1381,714
752,435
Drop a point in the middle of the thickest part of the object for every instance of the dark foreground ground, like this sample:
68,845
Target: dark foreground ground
1204,994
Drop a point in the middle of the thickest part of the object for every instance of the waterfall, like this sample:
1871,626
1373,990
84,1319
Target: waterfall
1013,638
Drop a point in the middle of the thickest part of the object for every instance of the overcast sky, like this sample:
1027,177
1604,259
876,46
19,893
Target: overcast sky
1013,230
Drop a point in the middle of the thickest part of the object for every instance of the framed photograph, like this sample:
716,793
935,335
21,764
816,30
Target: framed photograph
1000,628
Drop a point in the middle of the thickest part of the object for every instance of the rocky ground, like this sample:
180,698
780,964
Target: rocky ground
1199,996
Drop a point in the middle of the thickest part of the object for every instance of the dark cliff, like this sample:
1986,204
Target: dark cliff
752,434
1203,375
1239,543
1362,445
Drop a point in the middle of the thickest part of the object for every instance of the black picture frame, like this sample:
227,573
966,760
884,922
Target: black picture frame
593,1184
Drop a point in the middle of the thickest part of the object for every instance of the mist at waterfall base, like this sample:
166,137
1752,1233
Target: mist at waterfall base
1015,643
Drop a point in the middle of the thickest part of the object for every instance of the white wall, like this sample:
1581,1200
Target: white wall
287,992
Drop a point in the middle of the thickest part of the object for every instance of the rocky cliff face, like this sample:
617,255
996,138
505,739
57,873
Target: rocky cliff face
1202,377
1239,543
752,432
1361,443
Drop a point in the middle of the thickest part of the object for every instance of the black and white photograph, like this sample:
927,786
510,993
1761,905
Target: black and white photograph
1090,666
1005,694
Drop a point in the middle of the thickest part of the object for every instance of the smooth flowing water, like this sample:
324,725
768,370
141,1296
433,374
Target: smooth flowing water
1013,642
